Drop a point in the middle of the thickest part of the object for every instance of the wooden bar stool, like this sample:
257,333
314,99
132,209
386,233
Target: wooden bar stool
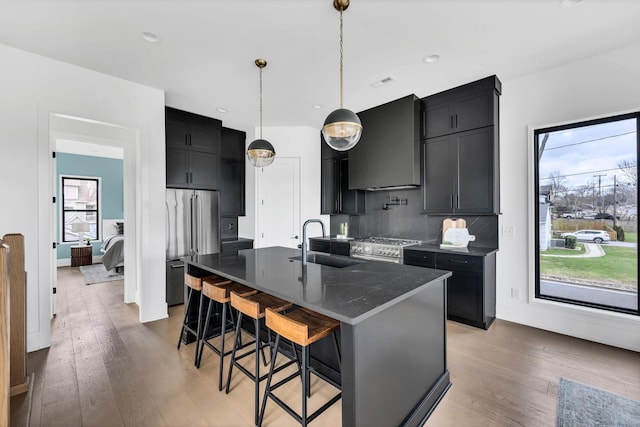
303,327
220,292
253,306
195,285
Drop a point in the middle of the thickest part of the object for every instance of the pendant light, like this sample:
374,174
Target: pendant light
342,128
260,152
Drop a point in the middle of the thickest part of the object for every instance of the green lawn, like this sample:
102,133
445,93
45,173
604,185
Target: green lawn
579,250
619,265
631,236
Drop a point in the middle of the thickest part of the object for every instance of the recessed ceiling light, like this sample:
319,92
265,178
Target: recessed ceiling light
222,110
382,82
430,59
150,37
569,3
318,106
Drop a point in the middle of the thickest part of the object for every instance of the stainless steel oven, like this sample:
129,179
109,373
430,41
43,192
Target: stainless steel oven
380,248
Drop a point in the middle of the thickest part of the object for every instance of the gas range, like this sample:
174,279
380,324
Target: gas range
380,248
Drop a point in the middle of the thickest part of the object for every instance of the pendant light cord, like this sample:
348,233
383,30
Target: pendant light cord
261,103
341,60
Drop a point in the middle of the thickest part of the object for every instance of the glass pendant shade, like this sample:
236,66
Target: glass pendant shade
342,129
261,153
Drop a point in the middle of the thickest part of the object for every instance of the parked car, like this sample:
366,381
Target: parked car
605,216
595,236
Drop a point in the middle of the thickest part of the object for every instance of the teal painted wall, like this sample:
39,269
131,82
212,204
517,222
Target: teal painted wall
112,199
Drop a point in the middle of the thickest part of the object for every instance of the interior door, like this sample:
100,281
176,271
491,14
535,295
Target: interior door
279,203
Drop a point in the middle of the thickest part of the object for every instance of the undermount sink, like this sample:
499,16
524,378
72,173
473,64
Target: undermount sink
330,261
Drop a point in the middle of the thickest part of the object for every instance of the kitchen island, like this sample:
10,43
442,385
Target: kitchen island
393,338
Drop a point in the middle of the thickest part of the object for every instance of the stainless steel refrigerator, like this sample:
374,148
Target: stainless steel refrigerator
192,227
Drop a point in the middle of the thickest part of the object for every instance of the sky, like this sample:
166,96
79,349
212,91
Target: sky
581,153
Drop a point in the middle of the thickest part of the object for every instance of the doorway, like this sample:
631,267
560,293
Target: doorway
279,203
86,136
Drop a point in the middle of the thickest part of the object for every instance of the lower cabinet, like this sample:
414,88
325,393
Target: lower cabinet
471,290
329,246
231,247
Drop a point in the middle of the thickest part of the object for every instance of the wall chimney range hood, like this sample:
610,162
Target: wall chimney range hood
388,154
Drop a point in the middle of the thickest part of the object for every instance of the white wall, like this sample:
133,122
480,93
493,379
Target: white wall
33,88
599,86
303,142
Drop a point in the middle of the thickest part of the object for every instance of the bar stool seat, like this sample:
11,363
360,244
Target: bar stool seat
302,327
220,292
194,283
253,306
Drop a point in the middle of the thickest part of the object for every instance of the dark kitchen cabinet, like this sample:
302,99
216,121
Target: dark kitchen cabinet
192,150
232,173
330,246
471,290
231,247
336,198
471,106
460,173
388,154
460,149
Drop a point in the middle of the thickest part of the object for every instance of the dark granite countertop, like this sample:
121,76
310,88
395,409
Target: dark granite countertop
238,239
435,247
349,294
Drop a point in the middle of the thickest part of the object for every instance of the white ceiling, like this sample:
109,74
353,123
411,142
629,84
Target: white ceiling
205,58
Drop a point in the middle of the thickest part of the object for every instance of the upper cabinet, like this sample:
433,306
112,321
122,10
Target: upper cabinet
192,150
336,198
232,173
459,174
461,150
388,154
467,107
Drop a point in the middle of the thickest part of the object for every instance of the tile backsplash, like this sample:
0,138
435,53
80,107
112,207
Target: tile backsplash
407,220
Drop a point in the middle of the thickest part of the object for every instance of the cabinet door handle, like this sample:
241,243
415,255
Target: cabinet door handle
451,121
187,174
455,261
451,202
457,201
456,120
191,177
186,139
190,141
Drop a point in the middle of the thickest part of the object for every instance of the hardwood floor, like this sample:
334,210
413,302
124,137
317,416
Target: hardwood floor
105,369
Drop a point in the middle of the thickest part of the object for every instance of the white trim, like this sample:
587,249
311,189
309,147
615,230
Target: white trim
608,327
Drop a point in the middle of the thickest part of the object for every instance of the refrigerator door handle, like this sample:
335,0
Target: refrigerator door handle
196,224
191,226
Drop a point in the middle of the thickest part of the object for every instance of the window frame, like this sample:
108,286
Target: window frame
63,210
536,209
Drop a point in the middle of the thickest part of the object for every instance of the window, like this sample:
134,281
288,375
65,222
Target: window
587,213
80,198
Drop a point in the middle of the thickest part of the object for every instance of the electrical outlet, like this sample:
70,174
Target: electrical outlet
508,231
515,293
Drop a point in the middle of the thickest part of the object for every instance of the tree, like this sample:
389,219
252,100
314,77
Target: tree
558,187
629,169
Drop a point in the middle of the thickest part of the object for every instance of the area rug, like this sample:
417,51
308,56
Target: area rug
96,273
581,405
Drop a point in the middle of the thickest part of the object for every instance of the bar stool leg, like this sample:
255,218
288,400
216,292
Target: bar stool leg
266,388
186,313
223,333
259,347
305,384
206,326
199,330
233,352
